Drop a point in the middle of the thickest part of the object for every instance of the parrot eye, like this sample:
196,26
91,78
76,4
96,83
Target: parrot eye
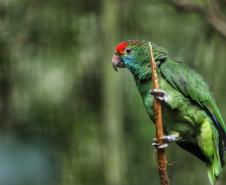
128,50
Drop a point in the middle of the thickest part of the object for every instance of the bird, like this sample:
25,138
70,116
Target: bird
191,117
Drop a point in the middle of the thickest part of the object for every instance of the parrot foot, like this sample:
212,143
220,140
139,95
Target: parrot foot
165,140
158,146
161,95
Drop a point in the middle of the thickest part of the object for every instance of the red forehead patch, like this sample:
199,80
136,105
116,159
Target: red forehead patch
121,47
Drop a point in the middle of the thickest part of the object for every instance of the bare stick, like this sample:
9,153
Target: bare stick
159,126
211,14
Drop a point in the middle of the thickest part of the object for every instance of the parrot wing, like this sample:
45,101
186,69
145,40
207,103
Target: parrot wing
193,86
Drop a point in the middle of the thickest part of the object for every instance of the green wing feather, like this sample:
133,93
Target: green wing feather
192,85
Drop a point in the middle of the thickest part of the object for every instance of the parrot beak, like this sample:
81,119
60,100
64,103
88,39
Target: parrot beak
117,62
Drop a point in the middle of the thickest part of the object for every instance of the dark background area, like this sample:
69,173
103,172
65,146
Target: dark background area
66,118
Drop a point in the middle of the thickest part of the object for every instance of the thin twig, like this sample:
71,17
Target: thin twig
212,15
159,126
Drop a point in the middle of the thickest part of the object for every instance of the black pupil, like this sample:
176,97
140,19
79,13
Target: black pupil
128,50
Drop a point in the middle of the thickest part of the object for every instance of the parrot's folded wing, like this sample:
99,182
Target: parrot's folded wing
193,86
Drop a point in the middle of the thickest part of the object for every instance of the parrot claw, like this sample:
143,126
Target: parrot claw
161,95
170,138
166,140
158,146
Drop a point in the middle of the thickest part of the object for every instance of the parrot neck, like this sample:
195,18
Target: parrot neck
144,73
141,74
142,78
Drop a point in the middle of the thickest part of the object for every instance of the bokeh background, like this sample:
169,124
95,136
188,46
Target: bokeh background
66,118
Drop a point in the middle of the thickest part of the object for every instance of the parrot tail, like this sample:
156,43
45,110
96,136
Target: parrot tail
214,170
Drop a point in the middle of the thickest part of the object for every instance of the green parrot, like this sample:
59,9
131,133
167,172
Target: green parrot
191,117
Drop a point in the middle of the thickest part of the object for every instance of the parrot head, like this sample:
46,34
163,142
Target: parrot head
135,56
129,54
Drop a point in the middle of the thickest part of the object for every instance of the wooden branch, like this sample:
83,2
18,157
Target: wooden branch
186,6
211,15
158,123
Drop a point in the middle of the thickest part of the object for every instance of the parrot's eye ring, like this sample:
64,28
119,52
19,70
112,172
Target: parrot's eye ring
128,50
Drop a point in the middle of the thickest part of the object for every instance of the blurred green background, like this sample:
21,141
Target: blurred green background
66,118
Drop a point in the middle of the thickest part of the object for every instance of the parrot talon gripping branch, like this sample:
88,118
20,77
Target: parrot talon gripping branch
165,141
188,108
170,138
160,146
161,95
